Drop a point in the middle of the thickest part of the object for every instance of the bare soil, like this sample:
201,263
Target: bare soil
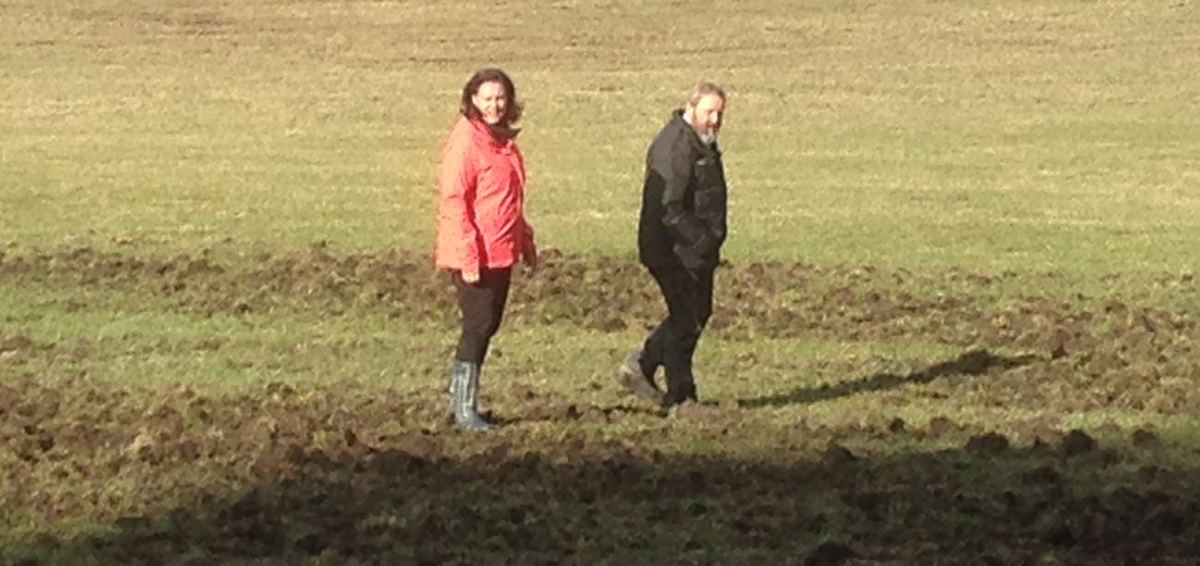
383,479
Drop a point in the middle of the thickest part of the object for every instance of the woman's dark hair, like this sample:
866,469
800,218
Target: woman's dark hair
512,112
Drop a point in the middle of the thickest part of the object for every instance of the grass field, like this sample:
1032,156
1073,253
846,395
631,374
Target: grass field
958,325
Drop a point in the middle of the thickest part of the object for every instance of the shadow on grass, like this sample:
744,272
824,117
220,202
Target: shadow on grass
578,503
973,363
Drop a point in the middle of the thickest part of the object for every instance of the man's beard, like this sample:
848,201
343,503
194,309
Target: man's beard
708,137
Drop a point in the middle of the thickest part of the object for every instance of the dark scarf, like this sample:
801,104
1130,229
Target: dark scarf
503,132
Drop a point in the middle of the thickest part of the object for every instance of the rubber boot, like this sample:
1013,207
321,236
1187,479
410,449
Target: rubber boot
451,389
465,389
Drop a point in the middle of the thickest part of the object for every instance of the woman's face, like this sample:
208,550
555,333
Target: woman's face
491,101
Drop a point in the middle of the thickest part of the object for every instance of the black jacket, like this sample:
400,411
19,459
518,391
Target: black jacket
684,200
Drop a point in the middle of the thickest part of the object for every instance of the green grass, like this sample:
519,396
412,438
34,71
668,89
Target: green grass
898,148
1021,136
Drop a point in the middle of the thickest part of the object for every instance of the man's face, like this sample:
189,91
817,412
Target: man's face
491,101
706,115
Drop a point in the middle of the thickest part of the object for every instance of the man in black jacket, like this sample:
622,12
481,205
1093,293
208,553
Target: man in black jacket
680,232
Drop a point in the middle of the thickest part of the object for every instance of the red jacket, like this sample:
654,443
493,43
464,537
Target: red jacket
481,220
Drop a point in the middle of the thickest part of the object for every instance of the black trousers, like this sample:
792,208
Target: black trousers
482,305
689,298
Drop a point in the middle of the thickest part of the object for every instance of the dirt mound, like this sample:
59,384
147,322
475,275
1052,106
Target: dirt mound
769,299
285,474
16,349
1129,356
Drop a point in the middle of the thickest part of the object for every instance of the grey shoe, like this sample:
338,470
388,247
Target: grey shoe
464,389
631,377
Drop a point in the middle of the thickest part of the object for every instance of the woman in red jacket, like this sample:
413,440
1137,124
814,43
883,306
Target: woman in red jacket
482,230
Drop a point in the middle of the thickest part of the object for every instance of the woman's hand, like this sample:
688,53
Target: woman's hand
470,276
529,254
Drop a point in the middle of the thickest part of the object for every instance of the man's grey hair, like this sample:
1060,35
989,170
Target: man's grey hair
702,90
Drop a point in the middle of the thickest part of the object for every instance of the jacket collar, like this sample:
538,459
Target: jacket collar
499,135
693,136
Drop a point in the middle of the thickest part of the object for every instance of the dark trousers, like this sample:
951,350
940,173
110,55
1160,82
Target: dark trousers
689,297
482,305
